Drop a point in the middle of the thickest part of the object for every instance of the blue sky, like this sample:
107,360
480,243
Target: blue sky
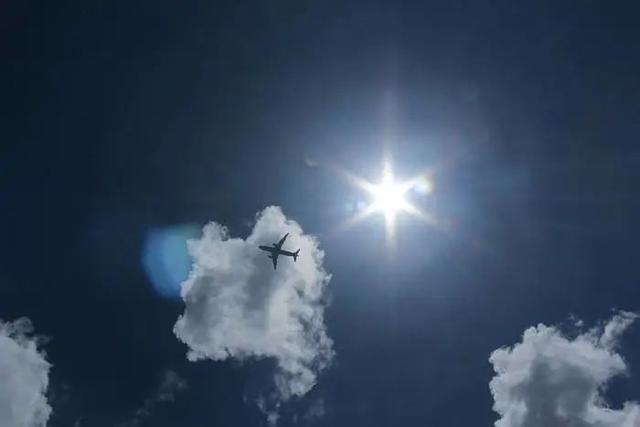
128,126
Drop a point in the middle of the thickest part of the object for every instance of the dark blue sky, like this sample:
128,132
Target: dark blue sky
122,117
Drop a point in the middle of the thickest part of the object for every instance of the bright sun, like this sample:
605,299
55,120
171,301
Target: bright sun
389,198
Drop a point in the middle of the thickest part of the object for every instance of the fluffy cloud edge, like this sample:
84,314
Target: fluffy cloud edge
25,376
549,379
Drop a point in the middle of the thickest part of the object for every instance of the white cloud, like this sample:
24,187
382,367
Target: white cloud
550,380
238,307
24,377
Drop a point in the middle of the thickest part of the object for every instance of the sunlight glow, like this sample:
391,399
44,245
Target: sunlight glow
390,199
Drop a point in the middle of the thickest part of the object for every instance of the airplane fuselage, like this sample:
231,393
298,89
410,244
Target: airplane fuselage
276,250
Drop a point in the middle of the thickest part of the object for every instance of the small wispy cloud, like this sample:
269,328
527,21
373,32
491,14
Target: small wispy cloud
170,385
24,376
550,380
315,411
311,162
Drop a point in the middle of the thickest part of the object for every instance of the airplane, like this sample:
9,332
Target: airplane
276,250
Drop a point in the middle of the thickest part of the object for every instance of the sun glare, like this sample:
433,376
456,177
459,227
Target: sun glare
389,196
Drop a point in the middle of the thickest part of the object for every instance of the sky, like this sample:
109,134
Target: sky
148,148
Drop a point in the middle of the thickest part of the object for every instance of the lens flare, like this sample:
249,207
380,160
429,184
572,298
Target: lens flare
165,259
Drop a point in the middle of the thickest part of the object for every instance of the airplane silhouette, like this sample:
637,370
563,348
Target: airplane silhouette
276,250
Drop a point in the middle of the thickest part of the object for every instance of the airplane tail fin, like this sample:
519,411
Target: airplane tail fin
295,255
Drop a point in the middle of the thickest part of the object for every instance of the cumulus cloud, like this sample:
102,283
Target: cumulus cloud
170,385
237,306
551,380
24,376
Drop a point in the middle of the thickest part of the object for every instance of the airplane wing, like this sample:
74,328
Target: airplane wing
279,244
274,258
